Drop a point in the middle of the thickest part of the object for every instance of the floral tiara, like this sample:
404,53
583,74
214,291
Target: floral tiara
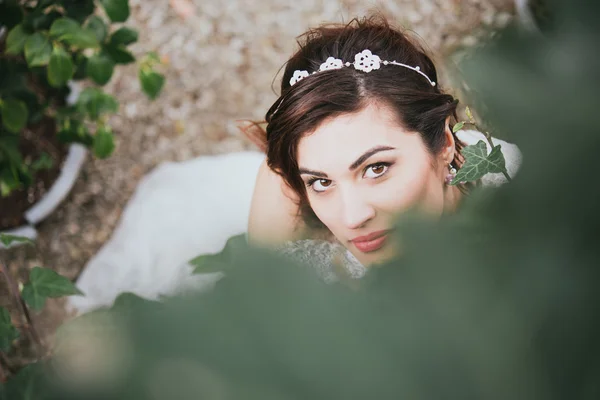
364,61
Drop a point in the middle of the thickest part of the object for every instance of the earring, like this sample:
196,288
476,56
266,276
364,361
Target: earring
451,174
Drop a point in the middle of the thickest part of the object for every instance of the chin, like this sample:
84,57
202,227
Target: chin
386,253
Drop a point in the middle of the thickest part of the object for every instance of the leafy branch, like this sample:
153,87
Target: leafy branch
477,160
43,283
49,44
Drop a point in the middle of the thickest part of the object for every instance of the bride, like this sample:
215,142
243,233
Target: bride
362,131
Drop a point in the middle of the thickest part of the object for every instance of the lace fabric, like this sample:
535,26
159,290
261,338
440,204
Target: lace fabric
331,260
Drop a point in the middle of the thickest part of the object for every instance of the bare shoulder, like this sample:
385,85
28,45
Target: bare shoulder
274,215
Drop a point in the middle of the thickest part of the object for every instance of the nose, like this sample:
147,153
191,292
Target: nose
356,210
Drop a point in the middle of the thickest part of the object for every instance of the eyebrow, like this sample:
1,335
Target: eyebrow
368,154
354,165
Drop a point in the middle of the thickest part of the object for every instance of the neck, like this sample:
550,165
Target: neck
452,199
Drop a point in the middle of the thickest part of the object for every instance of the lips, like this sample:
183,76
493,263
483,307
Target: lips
371,242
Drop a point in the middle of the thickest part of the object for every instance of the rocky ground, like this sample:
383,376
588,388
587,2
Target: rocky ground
222,62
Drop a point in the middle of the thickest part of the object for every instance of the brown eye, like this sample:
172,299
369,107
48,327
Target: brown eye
376,170
320,185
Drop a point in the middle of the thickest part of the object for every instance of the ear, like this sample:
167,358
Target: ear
449,149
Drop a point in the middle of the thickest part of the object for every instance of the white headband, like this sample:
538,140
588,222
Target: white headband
364,61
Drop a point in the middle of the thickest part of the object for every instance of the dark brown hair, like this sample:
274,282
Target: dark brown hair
416,105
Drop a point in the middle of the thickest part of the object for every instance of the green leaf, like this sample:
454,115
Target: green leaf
79,10
117,10
45,283
44,162
7,239
119,54
69,31
13,177
14,114
478,163
152,58
60,68
152,82
80,66
8,332
40,21
96,24
15,41
220,261
100,68
124,36
86,39
75,132
103,142
37,50
94,102
458,127
64,27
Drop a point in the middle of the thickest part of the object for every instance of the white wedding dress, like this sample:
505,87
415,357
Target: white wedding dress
185,209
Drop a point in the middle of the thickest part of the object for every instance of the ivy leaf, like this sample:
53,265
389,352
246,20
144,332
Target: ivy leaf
8,332
41,21
478,163
119,54
219,261
80,61
79,10
15,41
14,114
457,127
37,50
11,179
44,283
94,102
75,132
44,162
7,239
100,68
124,36
103,142
117,10
96,24
69,31
60,68
64,27
85,39
152,82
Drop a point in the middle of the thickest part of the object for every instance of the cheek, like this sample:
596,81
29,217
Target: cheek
417,187
325,209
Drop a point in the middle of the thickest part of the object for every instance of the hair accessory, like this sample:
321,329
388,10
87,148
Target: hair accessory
364,61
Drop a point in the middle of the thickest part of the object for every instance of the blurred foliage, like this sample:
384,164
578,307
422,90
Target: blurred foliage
499,301
49,44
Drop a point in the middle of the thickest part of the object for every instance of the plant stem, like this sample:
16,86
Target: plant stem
14,291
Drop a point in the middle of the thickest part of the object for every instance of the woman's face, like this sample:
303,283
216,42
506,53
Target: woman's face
361,170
